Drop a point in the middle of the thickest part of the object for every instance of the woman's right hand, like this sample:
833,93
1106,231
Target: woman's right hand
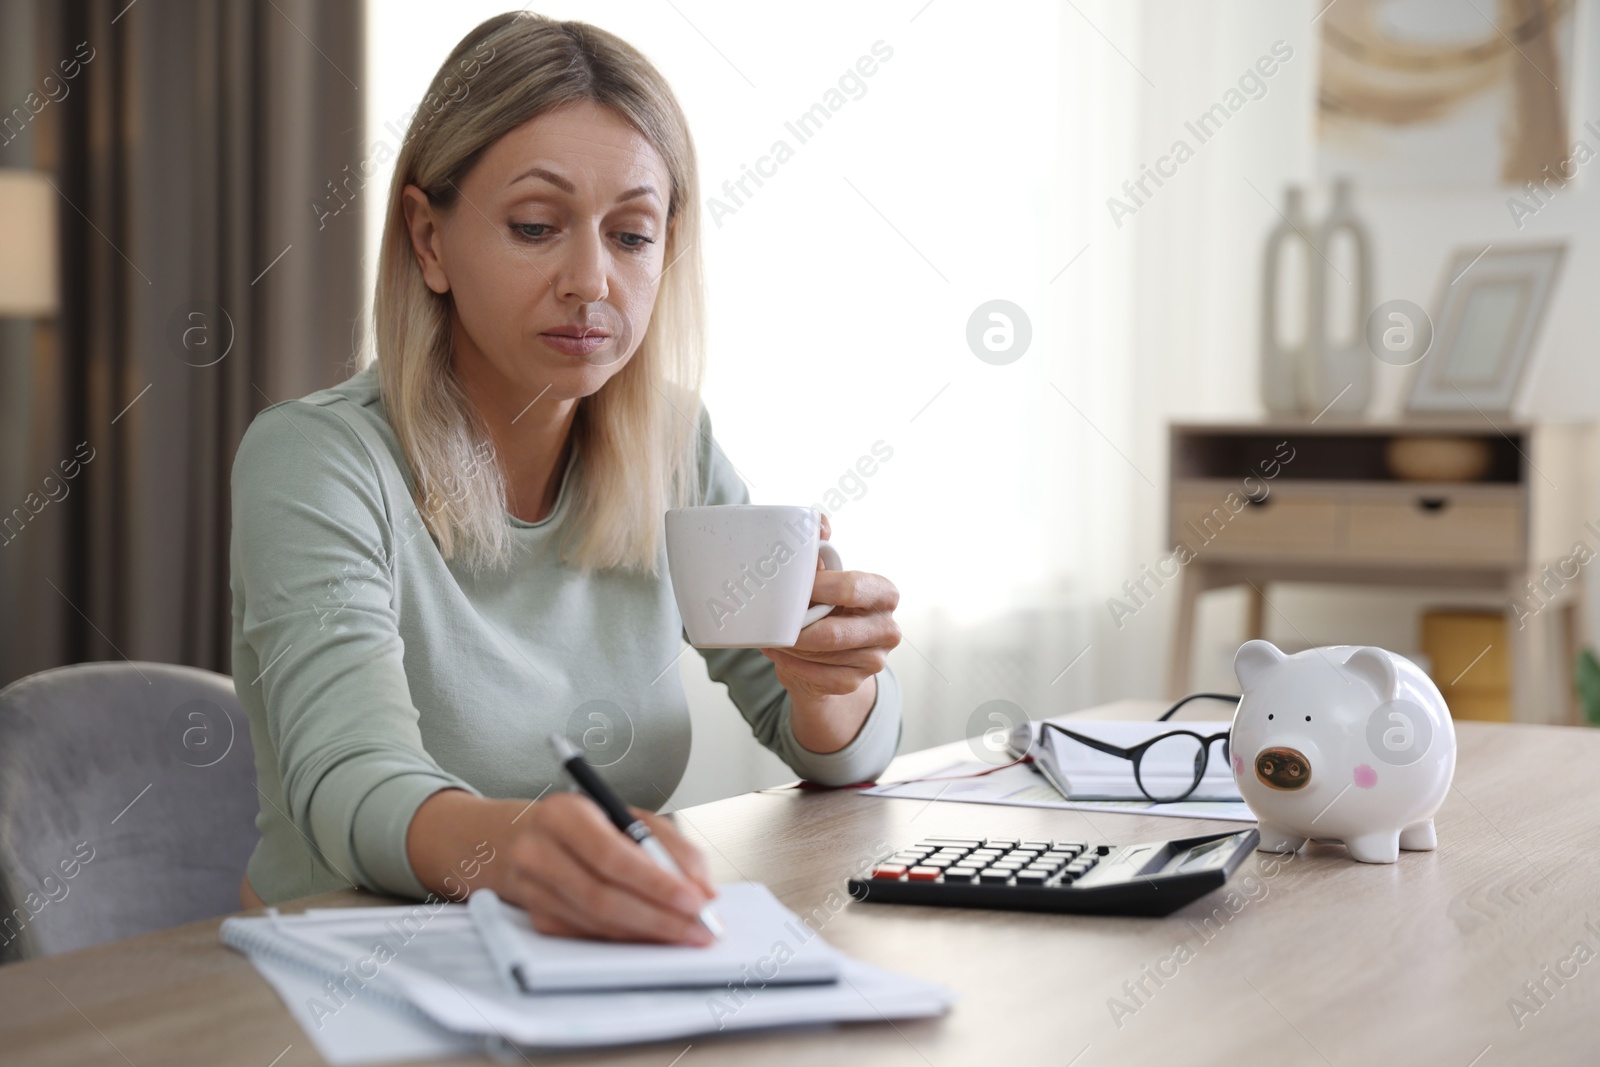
577,875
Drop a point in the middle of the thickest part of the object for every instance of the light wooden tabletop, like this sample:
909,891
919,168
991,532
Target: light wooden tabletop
1319,960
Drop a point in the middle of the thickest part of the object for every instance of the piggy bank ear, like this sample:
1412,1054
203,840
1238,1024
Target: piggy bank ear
1373,666
1254,659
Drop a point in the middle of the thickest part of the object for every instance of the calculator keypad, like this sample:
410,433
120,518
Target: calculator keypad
1036,864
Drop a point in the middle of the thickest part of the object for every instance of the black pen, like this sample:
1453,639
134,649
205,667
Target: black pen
572,761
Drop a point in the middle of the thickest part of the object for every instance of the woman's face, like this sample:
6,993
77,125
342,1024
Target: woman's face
559,229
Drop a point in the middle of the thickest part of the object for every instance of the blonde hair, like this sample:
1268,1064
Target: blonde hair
637,436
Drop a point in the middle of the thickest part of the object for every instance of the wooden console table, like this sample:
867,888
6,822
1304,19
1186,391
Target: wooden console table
1331,511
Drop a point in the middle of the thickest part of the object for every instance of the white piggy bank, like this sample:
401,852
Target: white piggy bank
1345,742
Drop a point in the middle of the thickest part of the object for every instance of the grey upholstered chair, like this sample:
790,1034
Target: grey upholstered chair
127,803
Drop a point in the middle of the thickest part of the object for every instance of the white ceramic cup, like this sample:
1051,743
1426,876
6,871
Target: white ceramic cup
743,573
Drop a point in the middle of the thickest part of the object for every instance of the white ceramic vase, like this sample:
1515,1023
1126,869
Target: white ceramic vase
1282,361
1337,367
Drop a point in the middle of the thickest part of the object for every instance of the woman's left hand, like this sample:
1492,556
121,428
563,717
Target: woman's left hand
842,650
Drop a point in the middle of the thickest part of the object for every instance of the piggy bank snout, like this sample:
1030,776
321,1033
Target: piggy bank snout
1281,767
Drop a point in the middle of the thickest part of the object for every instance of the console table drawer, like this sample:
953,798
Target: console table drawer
1435,530
1283,526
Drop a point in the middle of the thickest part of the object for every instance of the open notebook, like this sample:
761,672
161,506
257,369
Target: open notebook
429,963
1080,772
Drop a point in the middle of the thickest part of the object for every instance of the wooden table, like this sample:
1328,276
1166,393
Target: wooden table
1323,961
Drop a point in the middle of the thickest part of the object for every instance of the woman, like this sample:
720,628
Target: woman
460,550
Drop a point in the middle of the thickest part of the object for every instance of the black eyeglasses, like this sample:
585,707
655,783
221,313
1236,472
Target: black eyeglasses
1172,755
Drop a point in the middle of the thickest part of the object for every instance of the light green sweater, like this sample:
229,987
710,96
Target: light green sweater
376,673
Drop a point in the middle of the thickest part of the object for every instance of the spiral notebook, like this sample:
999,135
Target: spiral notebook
428,965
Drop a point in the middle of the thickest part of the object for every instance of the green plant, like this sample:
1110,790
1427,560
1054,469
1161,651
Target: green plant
1588,682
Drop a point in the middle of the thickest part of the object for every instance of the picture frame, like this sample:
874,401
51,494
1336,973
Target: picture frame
1492,302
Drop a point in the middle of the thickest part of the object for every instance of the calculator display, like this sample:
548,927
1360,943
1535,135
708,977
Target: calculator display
1202,856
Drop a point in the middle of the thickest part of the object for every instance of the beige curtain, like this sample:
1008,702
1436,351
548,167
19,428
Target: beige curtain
197,287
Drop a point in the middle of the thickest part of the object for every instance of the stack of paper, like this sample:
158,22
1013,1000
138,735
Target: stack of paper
377,984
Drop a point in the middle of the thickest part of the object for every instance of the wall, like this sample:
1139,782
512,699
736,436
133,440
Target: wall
990,148
964,169
1202,268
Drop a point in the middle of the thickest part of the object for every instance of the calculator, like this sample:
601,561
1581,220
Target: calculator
1150,878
